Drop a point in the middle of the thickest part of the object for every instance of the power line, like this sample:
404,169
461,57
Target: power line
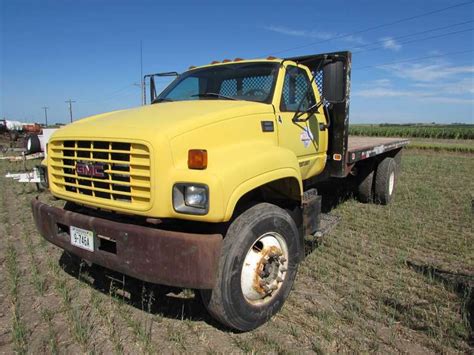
378,26
45,108
107,97
418,40
70,102
414,59
417,33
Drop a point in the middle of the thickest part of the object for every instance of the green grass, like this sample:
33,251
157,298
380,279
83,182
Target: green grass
437,146
356,292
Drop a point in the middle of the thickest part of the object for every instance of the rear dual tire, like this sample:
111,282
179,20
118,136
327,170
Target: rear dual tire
385,181
257,269
378,184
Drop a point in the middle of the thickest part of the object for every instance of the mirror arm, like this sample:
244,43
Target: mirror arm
315,108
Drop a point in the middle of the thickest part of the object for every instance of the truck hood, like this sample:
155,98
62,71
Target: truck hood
168,118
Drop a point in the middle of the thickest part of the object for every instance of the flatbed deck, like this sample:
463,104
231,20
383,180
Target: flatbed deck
360,148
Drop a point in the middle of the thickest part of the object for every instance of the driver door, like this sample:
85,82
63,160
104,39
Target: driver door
305,139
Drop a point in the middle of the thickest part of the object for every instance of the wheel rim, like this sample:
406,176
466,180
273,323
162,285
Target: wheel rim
391,183
264,269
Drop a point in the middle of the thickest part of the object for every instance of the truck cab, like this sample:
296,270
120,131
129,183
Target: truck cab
210,186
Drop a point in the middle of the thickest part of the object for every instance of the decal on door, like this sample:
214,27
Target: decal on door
306,137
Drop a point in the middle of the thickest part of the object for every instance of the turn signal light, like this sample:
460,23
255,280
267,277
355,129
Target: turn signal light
197,159
337,157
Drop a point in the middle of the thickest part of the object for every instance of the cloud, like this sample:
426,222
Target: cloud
460,87
427,72
390,43
321,35
455,92
380,91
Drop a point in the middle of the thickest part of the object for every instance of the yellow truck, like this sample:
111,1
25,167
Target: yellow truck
212,185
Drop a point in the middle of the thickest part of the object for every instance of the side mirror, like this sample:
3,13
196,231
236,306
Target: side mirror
334,81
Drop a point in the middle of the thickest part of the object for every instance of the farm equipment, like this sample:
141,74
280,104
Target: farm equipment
16,133
215,185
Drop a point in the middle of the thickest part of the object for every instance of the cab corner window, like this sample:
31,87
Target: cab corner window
296,91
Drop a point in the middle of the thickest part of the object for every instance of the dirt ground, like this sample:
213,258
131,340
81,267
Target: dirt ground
386,279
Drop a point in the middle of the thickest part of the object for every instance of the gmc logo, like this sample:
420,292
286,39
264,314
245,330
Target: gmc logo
90,169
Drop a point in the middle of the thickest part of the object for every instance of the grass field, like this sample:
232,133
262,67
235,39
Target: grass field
452,131
384,280
442,145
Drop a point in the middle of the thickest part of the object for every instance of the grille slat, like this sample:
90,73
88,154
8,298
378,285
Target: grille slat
116,181
80,186
123,171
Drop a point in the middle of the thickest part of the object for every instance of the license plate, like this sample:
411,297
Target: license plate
82,238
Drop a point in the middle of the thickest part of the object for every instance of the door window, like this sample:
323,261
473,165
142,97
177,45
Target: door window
296,91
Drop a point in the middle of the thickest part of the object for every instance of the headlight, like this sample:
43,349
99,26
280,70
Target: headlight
191,198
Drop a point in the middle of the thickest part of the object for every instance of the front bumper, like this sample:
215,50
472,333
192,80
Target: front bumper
149,254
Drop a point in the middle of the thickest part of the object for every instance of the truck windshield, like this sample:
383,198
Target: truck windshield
239,81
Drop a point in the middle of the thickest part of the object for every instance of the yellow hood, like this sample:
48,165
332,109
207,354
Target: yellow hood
168,118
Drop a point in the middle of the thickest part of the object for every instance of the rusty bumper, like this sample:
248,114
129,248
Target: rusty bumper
149,254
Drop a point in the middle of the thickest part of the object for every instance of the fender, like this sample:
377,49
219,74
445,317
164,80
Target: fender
258,181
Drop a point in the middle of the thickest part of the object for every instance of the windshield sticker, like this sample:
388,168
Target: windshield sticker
306,137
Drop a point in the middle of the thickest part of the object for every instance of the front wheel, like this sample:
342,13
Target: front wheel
258,265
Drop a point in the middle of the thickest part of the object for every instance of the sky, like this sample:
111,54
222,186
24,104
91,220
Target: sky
413,60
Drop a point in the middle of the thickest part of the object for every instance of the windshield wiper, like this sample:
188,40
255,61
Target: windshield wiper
161,99
214,94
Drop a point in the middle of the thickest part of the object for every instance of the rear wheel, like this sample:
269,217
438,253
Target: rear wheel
365,187
257,268
385,181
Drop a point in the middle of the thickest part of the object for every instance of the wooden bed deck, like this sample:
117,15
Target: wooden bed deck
360,148
360,143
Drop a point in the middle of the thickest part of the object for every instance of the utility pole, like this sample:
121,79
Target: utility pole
45,108
70,102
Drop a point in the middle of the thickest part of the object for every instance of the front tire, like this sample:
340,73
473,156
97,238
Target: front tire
257,269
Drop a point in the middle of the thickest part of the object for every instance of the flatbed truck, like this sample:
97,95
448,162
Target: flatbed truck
212,185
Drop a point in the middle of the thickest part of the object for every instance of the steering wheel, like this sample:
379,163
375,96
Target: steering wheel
255,92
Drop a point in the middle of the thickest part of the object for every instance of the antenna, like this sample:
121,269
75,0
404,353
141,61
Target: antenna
142,80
